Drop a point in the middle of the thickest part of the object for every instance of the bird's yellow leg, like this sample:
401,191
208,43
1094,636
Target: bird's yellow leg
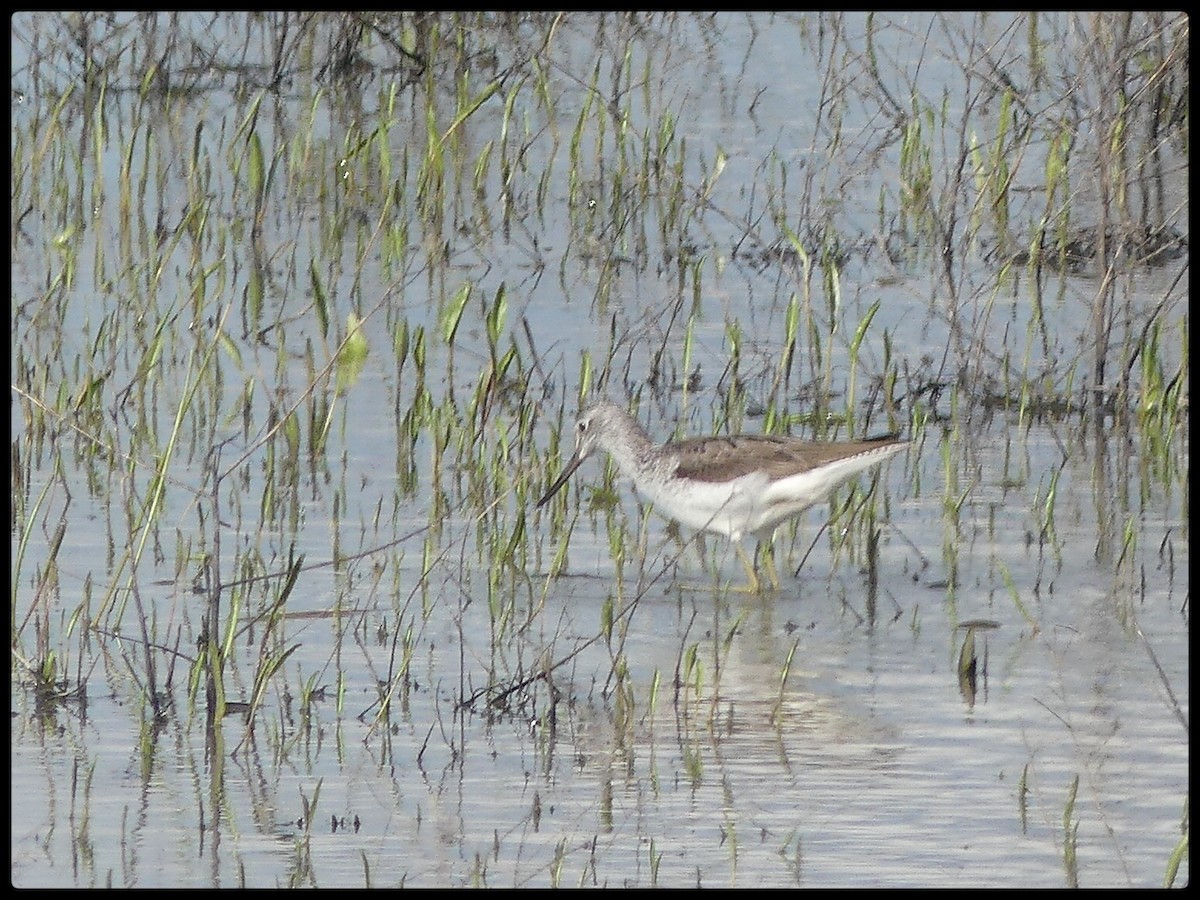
768,554
754,584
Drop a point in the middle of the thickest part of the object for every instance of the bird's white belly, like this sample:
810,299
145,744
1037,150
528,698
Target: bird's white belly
727,508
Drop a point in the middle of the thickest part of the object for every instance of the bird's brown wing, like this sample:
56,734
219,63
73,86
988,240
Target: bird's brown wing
727,458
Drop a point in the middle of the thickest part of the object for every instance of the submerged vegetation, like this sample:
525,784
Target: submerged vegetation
304,306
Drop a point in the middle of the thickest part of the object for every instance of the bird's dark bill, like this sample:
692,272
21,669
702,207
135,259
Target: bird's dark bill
572,465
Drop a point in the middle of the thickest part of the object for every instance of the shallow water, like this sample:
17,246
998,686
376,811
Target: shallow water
817,736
